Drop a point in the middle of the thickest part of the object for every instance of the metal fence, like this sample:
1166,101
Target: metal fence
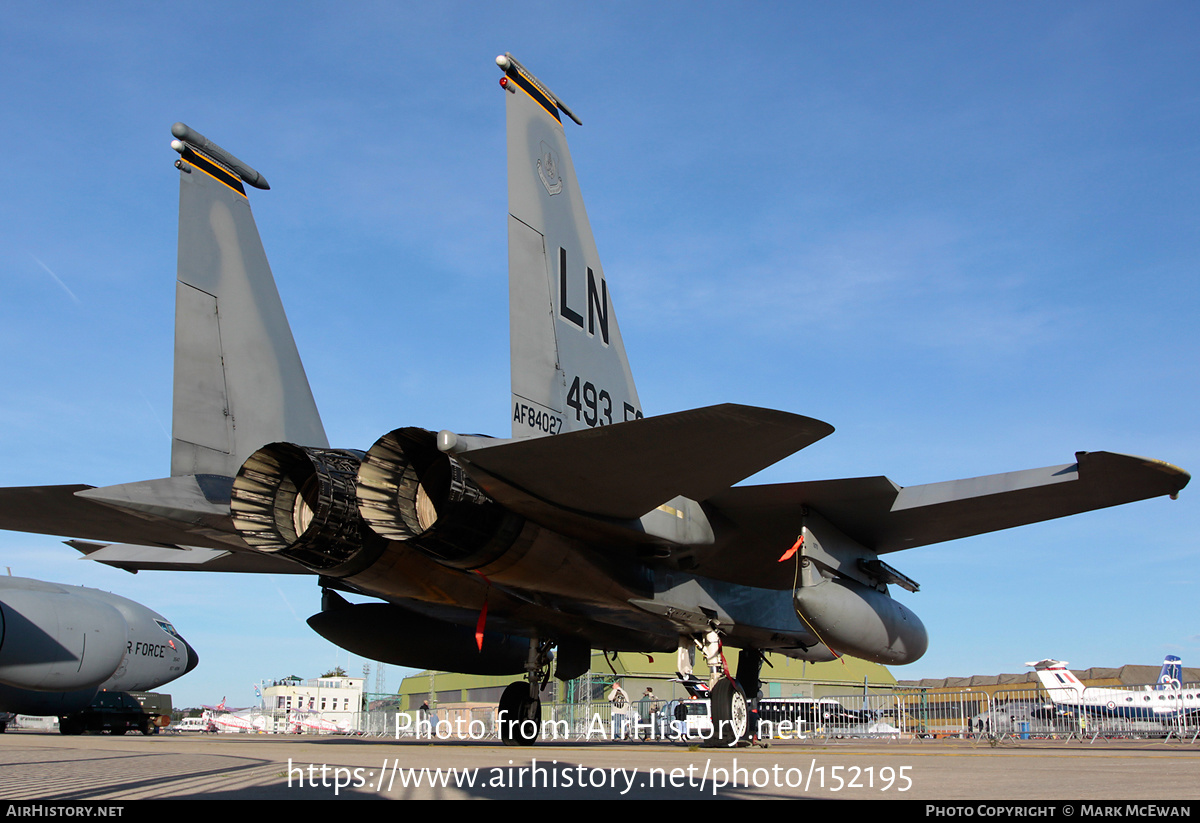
1016,714
1120,712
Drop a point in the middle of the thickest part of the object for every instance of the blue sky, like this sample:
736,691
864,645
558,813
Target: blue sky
965,235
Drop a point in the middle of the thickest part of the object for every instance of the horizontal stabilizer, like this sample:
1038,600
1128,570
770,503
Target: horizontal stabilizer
133,558
625,470
885,517
60,511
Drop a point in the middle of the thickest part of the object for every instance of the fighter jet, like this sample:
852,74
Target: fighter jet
592,526
60,645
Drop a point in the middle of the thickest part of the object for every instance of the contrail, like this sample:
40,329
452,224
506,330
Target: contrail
56,279
154,412
287,603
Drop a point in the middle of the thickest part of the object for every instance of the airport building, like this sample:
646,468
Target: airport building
338,700
781,677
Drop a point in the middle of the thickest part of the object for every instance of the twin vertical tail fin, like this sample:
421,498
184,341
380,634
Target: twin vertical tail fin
239,382
569,369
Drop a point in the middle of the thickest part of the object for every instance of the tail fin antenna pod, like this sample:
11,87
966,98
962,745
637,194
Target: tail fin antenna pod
239,382
569,369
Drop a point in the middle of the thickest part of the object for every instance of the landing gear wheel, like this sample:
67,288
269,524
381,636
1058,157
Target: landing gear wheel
730,716
520,715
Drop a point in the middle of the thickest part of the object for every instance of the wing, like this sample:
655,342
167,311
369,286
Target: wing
884,517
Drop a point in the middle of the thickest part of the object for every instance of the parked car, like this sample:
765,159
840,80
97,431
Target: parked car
685,720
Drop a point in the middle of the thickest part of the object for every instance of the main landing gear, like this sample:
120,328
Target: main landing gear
520,715
729,710
730,715
520,712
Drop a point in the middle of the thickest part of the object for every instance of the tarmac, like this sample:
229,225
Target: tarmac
45,766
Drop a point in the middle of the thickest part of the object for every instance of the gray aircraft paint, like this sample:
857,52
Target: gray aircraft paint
239,382
59,645
569,368
622,536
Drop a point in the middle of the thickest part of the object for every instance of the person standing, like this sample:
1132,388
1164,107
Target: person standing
620,709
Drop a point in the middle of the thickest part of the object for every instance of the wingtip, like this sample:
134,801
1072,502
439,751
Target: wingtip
1175,478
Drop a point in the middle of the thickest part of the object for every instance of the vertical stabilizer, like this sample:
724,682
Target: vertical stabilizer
1059,682
1171,676
239,382
569,369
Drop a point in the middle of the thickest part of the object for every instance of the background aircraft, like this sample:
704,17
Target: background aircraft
305,720
935,261
60,645
234,721
1163,702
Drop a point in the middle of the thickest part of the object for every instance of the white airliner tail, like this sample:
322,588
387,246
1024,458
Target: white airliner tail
1062,686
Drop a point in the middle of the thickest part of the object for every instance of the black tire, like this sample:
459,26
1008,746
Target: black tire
730,714
520,716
